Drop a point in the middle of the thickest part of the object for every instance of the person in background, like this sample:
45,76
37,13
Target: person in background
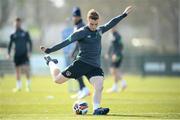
23,49
115,54
68,50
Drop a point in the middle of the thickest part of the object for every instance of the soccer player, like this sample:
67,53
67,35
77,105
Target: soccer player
23,49
88,59
78,23
115,53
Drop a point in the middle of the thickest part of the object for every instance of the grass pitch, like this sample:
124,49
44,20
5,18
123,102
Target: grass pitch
145,98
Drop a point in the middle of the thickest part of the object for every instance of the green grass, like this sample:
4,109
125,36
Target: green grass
145,98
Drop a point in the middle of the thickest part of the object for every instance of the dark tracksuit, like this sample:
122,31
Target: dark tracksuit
23,45
88,60
116,48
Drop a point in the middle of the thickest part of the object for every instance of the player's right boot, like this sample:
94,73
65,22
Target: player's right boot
28,89
114,88
101,111
123,85
48,59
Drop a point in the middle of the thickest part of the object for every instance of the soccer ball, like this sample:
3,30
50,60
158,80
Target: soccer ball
80,108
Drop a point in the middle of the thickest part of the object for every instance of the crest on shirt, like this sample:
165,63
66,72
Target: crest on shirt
68,73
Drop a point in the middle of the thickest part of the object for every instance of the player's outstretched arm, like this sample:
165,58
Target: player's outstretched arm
116,19
72,38
56,47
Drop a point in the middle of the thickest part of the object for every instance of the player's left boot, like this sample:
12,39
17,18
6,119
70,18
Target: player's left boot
16,90
101,111
48,59
84,93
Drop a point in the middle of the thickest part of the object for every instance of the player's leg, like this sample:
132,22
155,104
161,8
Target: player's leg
81,86
84,91
28,77
96,78
117,76
123,81
120,75
80,68
81,83
97,82
17,62
71,86
18,79
114,73
55,71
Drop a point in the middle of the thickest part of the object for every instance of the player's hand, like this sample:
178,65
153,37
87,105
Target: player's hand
45,50
128,9
114,57
8,56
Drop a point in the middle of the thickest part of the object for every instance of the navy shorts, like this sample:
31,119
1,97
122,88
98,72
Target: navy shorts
79,68
21,60
117,64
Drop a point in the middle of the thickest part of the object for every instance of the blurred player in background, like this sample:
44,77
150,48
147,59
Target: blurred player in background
68,51
78,23
115,53
68,30
23,49
88,61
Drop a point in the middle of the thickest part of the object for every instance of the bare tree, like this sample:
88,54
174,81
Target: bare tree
4,12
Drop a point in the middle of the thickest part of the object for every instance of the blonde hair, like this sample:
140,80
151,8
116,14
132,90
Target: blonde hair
93,14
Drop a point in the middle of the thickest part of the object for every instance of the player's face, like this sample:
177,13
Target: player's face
76,19
18,24
92,24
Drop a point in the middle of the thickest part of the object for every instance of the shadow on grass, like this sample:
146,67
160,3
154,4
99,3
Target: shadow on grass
123,115
131,115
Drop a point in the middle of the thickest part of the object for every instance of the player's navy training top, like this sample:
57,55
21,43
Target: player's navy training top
116,46
89,42
22,41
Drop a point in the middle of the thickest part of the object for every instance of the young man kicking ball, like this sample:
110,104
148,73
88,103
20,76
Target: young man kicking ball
88,60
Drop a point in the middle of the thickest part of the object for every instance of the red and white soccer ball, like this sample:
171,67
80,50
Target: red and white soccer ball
80,108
